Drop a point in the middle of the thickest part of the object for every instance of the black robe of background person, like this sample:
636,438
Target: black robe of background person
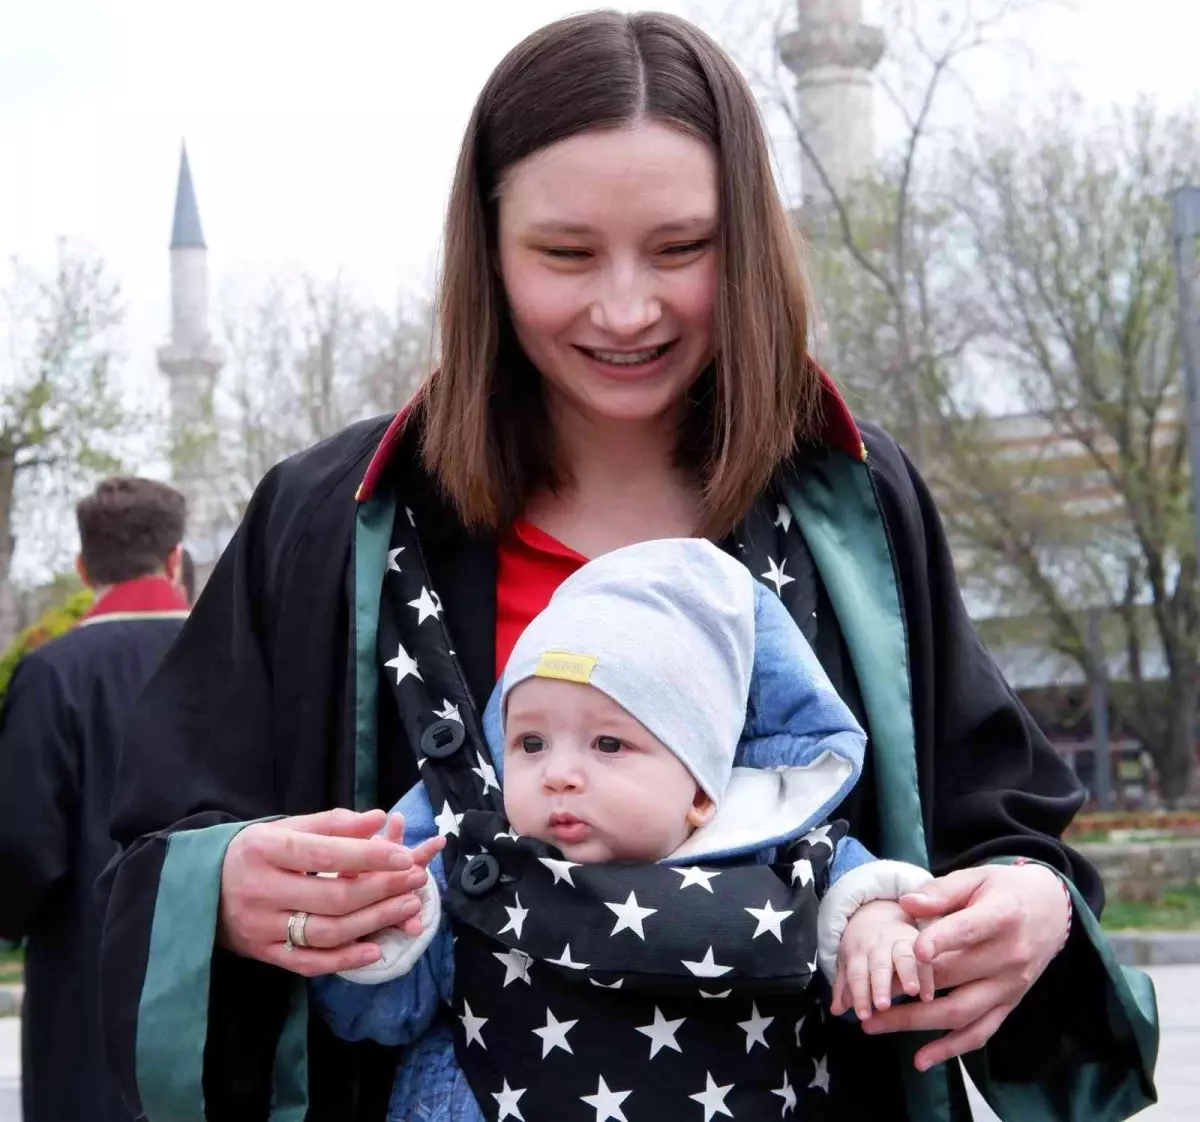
248,717
60,733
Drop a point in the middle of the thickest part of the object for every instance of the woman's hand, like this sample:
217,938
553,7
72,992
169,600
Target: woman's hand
993,930
265,879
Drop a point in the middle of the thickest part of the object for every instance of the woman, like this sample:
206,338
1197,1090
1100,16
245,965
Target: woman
623,357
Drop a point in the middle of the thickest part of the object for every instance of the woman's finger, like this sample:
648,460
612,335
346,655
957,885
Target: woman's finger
324,931
974,925
310,962
946,894
339,823
951,1012
321,853
969,1039
274,891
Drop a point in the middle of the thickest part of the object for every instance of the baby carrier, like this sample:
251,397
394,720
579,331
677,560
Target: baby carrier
634,992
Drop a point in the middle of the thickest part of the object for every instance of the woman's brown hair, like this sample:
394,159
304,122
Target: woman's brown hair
484,428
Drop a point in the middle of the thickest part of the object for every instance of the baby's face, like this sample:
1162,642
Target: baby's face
584,775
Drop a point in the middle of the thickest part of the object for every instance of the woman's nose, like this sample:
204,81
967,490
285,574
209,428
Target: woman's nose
628,305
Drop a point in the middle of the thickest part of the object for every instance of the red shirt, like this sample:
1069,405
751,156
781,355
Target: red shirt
530,565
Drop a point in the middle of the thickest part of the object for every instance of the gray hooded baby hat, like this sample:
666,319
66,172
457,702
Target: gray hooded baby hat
666,629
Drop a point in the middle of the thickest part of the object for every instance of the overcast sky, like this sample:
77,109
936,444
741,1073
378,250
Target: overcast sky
323,135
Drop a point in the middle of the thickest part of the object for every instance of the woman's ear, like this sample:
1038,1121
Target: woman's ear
702,809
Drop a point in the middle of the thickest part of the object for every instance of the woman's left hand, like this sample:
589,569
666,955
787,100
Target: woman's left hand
990,932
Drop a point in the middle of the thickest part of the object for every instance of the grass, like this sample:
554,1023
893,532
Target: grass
10,966
1178,909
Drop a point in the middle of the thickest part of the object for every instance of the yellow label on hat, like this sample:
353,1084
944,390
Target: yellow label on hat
566,667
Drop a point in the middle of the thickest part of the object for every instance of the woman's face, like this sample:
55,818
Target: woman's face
608,254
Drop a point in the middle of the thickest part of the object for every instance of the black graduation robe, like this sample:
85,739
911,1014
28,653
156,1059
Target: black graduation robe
60,733
255,713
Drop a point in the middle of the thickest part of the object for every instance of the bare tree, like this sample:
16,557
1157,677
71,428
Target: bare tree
305,359
1083,500
897,319
60,410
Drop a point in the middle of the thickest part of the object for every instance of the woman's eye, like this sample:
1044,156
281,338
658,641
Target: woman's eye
566,253
608,744
532,744
684,249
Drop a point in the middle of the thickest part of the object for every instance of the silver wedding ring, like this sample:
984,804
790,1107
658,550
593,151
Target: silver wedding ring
295,931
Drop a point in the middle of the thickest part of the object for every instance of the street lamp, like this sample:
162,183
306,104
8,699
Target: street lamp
1185,228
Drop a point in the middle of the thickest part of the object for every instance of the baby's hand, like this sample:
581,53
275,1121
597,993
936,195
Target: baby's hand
877,946
422,854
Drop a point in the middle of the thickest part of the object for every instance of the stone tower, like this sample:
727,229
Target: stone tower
833,53
191,361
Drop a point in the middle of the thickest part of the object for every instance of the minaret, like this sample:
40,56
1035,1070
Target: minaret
832,53
191,361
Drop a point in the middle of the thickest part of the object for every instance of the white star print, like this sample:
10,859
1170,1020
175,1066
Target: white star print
712,1098
567,961
427,604
606,1103
607,985
812,966
692,874
487,773
787,1094
516,918
507,1101
783,517
473,1026
560,869
447,821
723,993
821,1076
706,967
755,1028
819,836
554,1034
629,916
448,712
411,520
802,872
403,665
768,920
777,576
662,1033
510,833
516,966
393,567
799,1026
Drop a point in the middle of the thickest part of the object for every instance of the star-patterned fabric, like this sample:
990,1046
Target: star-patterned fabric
598,992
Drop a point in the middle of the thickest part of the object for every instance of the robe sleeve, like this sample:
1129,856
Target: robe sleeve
39,793
1086,1034
193,1031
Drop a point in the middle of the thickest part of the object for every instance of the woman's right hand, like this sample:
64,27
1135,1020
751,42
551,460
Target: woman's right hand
266,878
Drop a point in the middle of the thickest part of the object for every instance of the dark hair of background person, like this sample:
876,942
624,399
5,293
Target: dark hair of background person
481,412
128,527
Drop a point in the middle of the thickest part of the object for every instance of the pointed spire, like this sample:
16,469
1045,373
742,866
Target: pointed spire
185,230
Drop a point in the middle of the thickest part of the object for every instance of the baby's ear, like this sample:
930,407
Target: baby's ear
702,809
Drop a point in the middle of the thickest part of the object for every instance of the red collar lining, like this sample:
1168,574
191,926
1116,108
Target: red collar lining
840,432
143,596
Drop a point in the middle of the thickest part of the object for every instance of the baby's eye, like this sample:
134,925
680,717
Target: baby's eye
608,744
531,744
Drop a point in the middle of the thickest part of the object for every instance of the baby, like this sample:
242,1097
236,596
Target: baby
664,708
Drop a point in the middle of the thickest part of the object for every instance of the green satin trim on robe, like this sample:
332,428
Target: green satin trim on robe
172,1022
1092,1092
372,537
835,504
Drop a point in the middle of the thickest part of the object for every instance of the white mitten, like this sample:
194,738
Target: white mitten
399,952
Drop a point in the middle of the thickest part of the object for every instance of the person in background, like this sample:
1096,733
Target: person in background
60,732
